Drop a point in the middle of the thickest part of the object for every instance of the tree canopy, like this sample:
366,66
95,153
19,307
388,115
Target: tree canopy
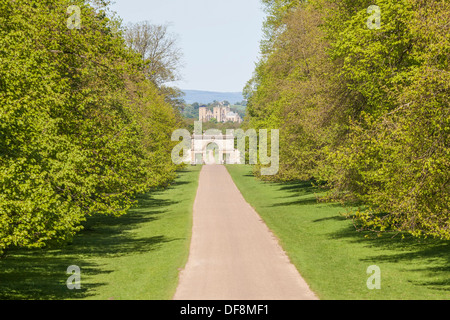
82,129
364,110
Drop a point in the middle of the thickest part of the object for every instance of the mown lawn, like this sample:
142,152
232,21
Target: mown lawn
333,257
134,257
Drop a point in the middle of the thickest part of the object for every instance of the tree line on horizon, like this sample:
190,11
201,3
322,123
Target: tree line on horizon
361,110
85,118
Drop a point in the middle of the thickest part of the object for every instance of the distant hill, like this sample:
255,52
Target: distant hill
205,97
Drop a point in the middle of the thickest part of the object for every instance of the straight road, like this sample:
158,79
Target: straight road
233,255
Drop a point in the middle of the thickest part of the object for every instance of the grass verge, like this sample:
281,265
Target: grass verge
333,257
134,257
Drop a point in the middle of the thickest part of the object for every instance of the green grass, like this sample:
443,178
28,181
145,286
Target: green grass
134,257
333,257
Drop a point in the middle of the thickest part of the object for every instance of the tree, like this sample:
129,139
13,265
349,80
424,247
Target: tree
396,157
158,48
364,110
82,129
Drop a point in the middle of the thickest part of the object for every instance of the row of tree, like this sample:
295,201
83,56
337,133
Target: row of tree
85,122
363,109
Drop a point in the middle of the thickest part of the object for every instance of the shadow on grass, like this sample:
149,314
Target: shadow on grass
180,183
335,218
431,256
299,187
423,263
300,202
41,274
304,193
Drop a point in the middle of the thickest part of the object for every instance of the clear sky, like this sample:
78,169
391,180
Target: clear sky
219,38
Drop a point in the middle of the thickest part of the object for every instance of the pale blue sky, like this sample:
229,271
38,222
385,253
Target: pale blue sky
219,38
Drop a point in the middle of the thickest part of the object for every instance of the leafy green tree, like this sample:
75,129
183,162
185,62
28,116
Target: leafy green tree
365,110
396,158
82,130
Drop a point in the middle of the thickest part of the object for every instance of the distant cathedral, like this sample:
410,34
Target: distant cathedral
221,113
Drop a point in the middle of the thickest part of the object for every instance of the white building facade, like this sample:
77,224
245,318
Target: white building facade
213,149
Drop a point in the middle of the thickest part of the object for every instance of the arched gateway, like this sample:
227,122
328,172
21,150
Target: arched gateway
213,149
